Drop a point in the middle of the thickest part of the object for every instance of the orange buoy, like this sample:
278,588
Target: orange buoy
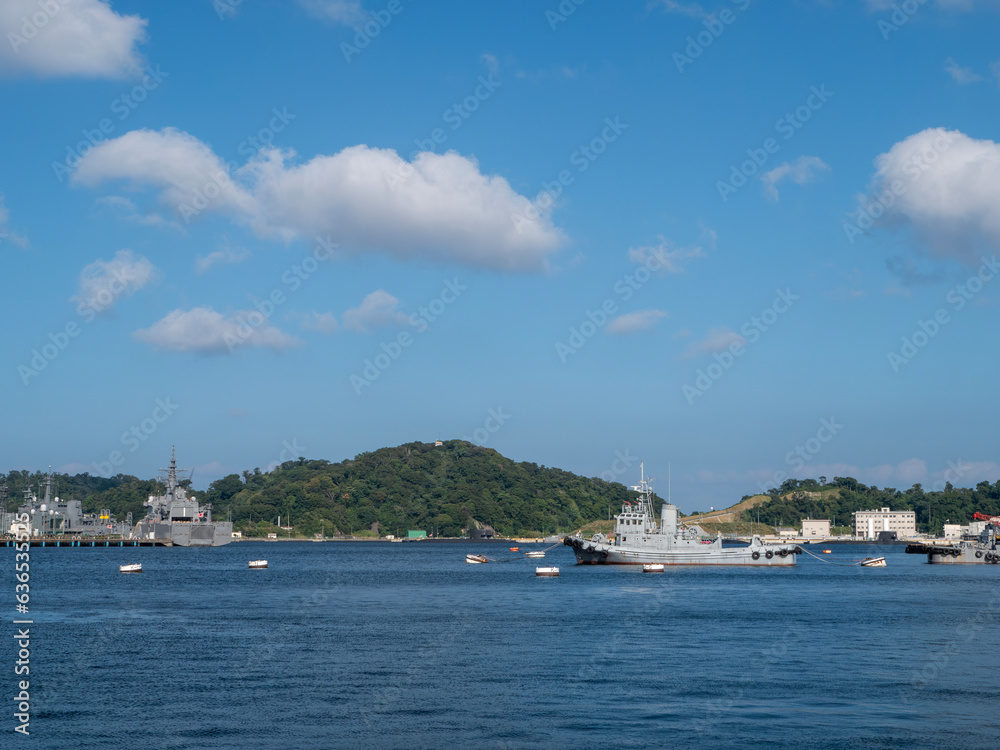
827,551
515,549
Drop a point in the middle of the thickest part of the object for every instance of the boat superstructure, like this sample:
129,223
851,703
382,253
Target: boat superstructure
180,519
639,539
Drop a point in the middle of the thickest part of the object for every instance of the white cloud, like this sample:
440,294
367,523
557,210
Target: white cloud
127,210
693,10
103,283
801,171
82,38
717,340
912,471
347,12
377,310
948,190
961,76
440,207
226,255
665,257
202,329
6,233
640,320
322,322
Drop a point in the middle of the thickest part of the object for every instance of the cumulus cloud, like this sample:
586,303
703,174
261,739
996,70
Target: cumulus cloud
665,257
347,12
203,330
82,38
945,186
438,207
377,310
102,283
316,321
961,76
6,233
692,10
126,209
226,255
717,340
640,320
802,170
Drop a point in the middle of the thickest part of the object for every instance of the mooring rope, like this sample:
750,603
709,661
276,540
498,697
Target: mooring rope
831,562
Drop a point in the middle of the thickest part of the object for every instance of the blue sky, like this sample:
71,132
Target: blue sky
751,241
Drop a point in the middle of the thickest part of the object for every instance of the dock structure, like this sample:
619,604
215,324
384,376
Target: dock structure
84,541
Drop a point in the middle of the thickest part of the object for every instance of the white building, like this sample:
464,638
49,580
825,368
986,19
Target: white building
954,530
869,523
815,528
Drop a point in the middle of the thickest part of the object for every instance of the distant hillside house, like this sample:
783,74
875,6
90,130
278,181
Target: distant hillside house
868,524
815,528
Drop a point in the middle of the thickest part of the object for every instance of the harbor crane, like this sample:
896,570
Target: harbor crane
995,520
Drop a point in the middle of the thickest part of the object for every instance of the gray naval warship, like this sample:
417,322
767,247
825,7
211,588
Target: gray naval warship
638,539
978,550
179,518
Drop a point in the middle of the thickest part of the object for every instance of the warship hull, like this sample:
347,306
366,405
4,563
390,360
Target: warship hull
213,534
588,552
973,554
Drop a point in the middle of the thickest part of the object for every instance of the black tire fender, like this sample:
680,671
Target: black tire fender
769,554
755,555
784,553
979,553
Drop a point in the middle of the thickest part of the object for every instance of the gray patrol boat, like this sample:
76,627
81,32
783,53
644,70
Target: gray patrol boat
977,550
177,518
639,540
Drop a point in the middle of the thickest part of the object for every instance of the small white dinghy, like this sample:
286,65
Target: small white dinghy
258,564
535,554
652,568
873,562
130,568
476,559
547,572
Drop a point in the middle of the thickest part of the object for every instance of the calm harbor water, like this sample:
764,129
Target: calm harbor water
404,645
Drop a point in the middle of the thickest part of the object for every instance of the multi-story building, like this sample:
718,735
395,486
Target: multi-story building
815,528
869,523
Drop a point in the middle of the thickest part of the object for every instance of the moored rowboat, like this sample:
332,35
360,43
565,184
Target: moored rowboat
130,568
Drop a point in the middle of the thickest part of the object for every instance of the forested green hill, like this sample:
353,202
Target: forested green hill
837,500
